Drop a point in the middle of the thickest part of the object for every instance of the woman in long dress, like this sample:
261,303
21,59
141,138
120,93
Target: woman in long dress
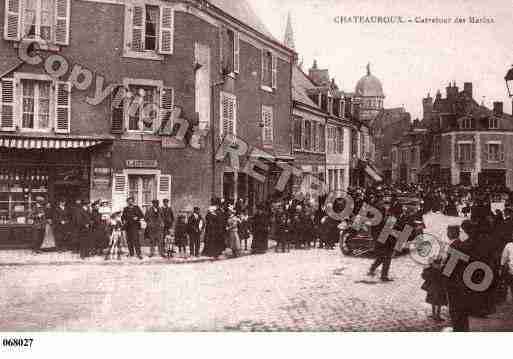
233,232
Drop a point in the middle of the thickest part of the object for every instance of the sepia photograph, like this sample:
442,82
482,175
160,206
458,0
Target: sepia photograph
242,166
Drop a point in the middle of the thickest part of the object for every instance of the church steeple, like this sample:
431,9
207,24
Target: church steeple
289,34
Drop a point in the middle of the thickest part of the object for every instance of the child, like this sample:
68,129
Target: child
244,232
435,288
169,243
181,234
116,237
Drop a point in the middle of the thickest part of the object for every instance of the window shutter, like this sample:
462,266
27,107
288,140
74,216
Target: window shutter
236,52
228,114
7,105
137,43
275,72
166,107
166,30
262,56
164,188
12,20
62,19
119,191
267,119
62,107
117,110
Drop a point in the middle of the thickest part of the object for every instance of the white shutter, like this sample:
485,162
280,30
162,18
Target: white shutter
138,17
119,191
166,106
12,20
164,187
62,107
262,55
7,117
267,120
228,113
236,52
62,19
166,30
275,71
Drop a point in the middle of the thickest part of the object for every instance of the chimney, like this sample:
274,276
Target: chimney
318,76
467,89
498,108
452,91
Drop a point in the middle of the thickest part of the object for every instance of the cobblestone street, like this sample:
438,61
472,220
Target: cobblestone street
304,290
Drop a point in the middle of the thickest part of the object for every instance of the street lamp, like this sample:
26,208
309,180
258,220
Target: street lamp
509,81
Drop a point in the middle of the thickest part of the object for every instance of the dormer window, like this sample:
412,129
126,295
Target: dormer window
493,123
467,123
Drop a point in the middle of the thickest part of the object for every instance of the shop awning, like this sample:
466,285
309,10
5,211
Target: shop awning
52,143
372,173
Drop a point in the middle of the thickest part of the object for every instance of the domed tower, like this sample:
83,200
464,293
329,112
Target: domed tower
370,93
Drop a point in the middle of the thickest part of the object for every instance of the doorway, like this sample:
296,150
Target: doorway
143,189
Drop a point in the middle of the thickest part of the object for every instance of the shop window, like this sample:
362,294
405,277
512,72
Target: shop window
35,105
20,190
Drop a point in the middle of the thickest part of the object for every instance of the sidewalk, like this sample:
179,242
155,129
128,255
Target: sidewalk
28,258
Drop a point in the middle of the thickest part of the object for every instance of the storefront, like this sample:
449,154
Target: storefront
40,171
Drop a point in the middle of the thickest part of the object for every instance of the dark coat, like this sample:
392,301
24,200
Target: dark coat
167,216
434,285
154,222
131,217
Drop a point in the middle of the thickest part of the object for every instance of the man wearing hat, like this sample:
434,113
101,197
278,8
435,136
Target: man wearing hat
83,224
155,226
61,220
194,229
131,218
168,218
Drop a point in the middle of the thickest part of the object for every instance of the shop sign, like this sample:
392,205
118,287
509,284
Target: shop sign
142,163
101,171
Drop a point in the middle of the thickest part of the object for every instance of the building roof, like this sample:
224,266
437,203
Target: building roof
369,86
301,83
242,11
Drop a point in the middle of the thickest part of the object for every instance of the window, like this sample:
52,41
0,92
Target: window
322,138
150,30
35,104
269,70
230,49
314,141
467,123
465,152
495,152
46,20
228,114
331,139
37,19
493,123
340,140
393,154
413,155
267,129
308,135
336,107
297,133
143,190
139,118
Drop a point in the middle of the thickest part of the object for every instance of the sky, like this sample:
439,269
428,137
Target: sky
410,59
